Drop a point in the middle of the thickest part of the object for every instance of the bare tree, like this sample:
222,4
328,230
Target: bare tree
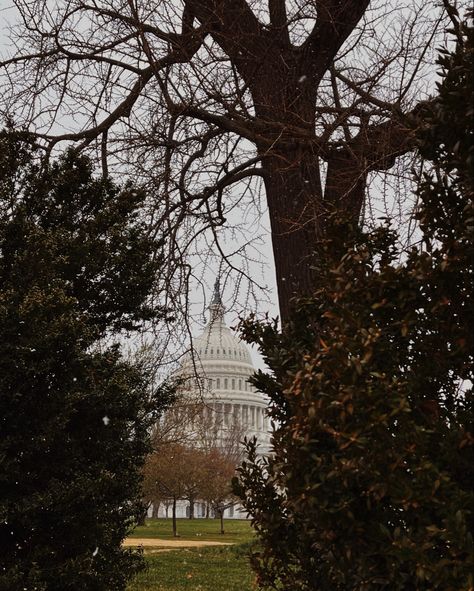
196,478
217,487
218,430
177,426
165,477
210,102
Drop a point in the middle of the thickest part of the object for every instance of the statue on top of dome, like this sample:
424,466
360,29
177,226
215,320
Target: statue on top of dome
216,307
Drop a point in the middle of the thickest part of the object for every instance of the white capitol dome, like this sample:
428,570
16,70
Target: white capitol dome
216,374
224,366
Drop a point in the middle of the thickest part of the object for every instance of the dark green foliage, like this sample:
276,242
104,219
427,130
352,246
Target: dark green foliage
370,487
75,267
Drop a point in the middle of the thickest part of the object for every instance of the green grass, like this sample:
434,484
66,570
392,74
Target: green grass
223,568
236,531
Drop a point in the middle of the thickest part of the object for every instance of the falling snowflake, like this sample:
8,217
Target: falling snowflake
95,551
106,420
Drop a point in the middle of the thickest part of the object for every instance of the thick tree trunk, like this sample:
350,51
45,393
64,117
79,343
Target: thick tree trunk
296,210
191,508
298,203
299,210
284,91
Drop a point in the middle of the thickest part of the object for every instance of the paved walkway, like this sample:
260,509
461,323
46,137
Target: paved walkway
158,543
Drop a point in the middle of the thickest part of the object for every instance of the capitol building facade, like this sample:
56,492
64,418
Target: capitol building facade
225,365
216,372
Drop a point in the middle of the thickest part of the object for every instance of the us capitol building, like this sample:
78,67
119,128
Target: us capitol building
219,367
225,365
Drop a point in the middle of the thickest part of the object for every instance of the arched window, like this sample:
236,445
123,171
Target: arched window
212,351
218,383
240,384
233,384
226,381
217,351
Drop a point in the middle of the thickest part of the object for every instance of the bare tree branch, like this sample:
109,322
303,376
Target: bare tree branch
213,104
334,23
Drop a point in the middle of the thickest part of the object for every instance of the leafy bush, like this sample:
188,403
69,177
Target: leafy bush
370,484
75,267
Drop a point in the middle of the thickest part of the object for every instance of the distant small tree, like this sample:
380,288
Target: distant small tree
165,476
196,477
220,438
217,490
370,483
76,269
174,472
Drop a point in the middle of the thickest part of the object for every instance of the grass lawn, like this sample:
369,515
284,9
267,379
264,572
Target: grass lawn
223,568
236,531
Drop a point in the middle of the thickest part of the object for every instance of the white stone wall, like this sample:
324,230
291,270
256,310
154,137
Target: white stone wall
182,511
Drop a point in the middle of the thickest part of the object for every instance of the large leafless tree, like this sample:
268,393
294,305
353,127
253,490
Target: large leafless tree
211,102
